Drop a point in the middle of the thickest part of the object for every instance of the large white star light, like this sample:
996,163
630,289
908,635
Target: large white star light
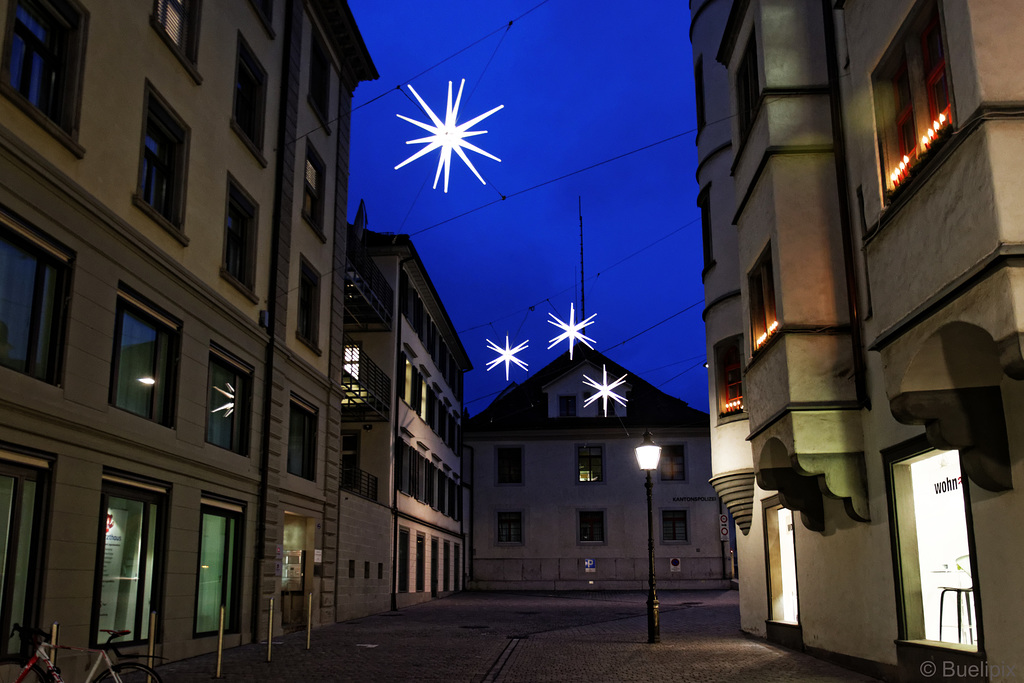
448,136
506,355
573,330
230,394
604,390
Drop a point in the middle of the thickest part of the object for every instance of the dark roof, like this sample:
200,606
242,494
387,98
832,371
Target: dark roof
525,406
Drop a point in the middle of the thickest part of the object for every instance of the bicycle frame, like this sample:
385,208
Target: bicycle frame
42,656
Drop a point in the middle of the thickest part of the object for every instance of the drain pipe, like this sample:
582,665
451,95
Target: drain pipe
394,444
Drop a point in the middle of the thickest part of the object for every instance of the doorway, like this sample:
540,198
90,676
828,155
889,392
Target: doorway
293,571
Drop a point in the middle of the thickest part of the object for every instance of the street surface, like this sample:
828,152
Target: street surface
589,637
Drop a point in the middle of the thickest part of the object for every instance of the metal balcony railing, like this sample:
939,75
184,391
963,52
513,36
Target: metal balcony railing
359,482
365,387
368,296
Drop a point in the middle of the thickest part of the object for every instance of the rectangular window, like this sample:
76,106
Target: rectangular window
934,554
591,526
510,527
403,560
240,238
442,492
250,95
458,570
131,526
420,562
308,314
227,420
704,205
447,566
34,277
302,440
313,190
20,506
748,88
145,361
730,379
430,479
162,166
566,406
319,79
905,132
220,552
349,458
672,463
935,69
590,460
698,87
673,525
177,22
761,289
510,465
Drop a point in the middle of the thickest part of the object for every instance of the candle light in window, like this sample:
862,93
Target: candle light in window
767,333
734,405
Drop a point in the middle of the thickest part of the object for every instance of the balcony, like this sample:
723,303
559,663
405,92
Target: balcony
368,296
365,387
359,482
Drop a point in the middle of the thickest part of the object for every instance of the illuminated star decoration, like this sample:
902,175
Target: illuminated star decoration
506,355
573,331
447,136
604,390
230,393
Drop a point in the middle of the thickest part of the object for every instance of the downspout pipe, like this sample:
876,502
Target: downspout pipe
394,443
842,183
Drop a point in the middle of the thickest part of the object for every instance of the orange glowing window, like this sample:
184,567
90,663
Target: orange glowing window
761,287
731,384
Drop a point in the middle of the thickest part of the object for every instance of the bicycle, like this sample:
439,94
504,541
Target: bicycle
39,668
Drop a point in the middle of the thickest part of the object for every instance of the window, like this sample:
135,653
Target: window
227,419
420,562
403,560
781,559
447,566
933,538
218,581
672,463
250,96
302,440
673,526
730,379
145,360
935,69
748,89
458,571
591,526
177,23
240,238
698,87
128,559
566,406
34,278
313,192
349,458
43,63
20,508
510,465
162,167
319,79
308,324
589,461
761,289
510,527
265,10
905,132
704,204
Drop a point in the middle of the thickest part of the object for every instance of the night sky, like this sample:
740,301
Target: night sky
583,84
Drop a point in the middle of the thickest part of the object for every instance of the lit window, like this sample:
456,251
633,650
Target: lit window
177,22
145,362
761,289
227,420
730,385
672,463
313,190
781,560
219,583
590,463
351,364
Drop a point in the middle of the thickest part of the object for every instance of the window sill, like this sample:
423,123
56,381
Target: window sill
315,227
309,343
726,418
319,115
186,63
42,120
159,219
250,145
240,286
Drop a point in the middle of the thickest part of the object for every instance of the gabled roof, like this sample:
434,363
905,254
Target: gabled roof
525,406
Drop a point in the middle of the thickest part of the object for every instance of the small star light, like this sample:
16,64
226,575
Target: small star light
604,390
573,331
230,393
506,356
447,136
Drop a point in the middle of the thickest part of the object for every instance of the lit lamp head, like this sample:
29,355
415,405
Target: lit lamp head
648,453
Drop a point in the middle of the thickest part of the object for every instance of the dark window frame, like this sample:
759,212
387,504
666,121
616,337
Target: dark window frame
567,405
235,513
168,345
764,321
591,527
674,524
242,407
314,194
509,527
748,88
303,464
186,46
698,94
507,472
307,320
161,121
241,221
704,206
248,106
319,86
668,468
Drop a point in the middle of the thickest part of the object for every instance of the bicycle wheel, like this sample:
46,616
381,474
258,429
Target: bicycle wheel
129,672
11,667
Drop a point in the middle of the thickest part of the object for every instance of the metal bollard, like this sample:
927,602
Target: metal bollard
270,629
54,632
220,641
309,620
152,643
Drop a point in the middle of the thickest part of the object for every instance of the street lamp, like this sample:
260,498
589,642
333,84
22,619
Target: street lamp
647,455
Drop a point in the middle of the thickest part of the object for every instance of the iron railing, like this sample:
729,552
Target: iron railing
359,482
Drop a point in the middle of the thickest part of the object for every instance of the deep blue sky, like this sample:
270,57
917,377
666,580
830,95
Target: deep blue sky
581,83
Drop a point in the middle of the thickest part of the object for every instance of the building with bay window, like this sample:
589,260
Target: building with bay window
559,501
172,207
857,173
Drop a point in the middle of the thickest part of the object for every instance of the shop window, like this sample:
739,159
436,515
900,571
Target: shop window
313,190
21,491
177,23
319,79
302,440
403,560
34,276
307,323
672,463
218,582
590,461
42,64
781,560
730,379
230,395
933,541
129,560
591,526
250,96
761,290
673,526
510,465
421,566
145,360
240,238
566,406
748,89
161,188
510,527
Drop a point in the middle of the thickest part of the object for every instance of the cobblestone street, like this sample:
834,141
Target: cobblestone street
482,637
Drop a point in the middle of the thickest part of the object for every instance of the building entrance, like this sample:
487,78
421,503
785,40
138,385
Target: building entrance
293,572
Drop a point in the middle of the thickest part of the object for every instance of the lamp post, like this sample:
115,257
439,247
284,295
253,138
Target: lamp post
647,455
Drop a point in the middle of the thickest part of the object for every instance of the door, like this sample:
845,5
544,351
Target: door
433,567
